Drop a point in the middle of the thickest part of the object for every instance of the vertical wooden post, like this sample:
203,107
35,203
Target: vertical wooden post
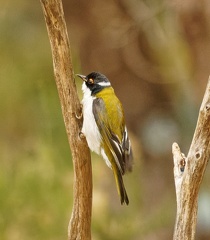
80,222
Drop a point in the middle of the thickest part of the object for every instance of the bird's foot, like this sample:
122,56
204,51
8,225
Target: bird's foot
80,114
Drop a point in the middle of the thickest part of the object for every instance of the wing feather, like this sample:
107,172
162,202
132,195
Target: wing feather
120,150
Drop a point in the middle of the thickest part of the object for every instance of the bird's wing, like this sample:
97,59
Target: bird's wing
111,139
128,154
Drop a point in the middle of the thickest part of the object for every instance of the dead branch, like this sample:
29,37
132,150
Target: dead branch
80,222
189,171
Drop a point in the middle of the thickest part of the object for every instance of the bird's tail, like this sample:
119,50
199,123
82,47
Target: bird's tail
120,186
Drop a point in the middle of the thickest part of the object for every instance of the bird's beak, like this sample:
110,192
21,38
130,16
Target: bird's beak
82,77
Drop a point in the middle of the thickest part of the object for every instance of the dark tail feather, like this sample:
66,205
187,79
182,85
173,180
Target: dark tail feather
120,186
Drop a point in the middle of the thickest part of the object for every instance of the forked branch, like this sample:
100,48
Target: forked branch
189,171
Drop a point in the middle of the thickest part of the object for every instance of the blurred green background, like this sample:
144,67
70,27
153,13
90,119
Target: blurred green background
156,54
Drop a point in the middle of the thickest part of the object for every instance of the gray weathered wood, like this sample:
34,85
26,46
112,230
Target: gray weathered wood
187,182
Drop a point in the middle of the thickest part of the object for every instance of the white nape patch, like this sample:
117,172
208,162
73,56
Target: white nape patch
104,84
89,128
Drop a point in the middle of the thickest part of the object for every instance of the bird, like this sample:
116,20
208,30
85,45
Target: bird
104,127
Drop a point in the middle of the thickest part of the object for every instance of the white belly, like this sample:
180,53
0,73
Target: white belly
89,128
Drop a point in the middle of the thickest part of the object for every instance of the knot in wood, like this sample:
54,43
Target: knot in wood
182,164
207,107
197,155
81,135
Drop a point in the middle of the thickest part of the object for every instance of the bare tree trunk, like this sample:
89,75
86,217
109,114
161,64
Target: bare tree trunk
189,171
80,223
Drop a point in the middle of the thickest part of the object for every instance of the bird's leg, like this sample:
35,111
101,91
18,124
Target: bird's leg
81,134
80,114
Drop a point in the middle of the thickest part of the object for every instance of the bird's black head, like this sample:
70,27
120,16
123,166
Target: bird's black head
95,82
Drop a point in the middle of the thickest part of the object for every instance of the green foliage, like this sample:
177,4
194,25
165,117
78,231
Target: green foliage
35,167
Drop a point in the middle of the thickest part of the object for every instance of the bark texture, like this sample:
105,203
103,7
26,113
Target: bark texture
189,172
80,222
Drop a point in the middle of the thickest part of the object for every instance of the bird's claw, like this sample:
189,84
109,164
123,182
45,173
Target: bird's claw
80,115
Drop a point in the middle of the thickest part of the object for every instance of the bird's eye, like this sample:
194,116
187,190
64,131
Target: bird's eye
90,81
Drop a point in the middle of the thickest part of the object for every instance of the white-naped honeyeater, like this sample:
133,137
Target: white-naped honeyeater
104,127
